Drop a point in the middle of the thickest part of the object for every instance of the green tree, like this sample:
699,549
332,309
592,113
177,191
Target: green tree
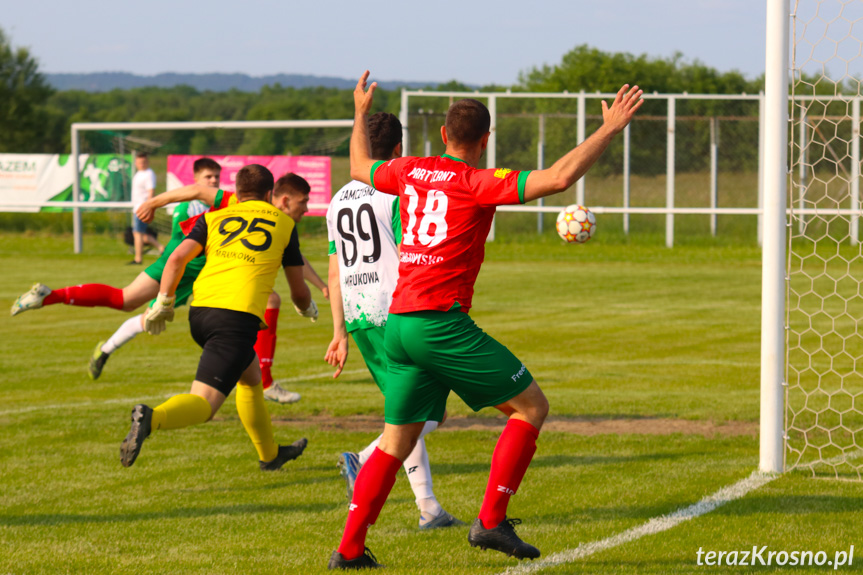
590,69
24,118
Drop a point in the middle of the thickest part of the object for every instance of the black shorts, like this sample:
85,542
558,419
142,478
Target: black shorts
228,338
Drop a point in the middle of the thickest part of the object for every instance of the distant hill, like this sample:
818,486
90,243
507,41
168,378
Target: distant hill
105,81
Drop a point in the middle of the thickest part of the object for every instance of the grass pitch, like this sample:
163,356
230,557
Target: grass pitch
649,358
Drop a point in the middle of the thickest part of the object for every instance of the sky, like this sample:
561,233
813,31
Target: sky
475,42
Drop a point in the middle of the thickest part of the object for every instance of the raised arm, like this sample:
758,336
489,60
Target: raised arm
185,194
572,166
361,148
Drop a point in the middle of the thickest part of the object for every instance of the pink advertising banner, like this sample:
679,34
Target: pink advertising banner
315,169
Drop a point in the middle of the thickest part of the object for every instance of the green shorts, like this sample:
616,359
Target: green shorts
431,353
370,342
184,288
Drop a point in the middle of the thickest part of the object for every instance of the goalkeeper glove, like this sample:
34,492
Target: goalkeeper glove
310,312
162,311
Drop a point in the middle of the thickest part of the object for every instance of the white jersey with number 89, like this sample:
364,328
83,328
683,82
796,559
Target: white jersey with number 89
364,230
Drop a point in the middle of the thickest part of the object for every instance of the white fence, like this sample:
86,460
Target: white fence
563,119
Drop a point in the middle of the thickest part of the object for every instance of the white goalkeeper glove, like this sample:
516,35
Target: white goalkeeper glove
162,311
310,312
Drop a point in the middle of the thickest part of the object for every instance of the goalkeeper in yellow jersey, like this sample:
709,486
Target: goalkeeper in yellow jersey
245,245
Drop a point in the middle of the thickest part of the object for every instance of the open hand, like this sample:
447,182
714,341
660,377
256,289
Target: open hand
626,103
363,98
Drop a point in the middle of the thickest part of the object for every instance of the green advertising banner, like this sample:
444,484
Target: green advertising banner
29,181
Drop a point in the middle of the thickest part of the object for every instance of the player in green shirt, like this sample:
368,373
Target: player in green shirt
207,173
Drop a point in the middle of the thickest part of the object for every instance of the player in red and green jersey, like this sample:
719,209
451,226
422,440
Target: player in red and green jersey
365,232
432,345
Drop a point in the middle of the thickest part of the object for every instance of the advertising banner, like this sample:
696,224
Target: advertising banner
28,179
315,169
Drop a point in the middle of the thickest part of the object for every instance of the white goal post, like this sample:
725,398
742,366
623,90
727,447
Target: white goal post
775,174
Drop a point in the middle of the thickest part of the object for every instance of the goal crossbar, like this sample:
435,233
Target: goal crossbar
76,204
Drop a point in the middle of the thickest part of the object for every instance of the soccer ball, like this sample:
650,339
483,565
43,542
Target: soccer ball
576,224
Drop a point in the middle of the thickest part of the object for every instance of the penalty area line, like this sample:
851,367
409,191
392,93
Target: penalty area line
656,525
300,378
137,400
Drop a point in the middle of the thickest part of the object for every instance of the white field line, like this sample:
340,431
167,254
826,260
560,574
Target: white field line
134,400
319,375
655,525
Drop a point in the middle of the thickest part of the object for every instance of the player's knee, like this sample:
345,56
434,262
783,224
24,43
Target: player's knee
274,301
398,449
400,443
536,408
542,408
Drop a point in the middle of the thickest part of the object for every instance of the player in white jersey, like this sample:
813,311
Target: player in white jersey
364,230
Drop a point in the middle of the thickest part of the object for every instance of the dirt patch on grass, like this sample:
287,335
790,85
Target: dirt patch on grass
576,425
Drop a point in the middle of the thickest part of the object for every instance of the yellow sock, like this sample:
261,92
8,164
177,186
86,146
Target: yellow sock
256,419
181,411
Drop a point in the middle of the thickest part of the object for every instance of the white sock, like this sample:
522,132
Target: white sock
127,332
419,474
367,452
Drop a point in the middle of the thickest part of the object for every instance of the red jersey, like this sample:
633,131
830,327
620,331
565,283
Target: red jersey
223,200
446,211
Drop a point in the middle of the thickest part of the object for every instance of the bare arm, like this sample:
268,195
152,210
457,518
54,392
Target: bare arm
300,293
185,194
337,351
176,265
572,166
361,148
311,276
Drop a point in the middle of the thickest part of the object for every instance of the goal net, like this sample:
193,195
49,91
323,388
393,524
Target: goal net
824,367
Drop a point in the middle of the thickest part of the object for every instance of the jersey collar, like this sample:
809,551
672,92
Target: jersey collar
452,158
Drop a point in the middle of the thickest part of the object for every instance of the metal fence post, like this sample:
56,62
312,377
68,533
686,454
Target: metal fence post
669,172
714,170
540,165
626,187
579,185
492,148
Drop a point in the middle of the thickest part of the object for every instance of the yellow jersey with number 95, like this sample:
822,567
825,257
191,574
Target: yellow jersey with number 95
245,244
